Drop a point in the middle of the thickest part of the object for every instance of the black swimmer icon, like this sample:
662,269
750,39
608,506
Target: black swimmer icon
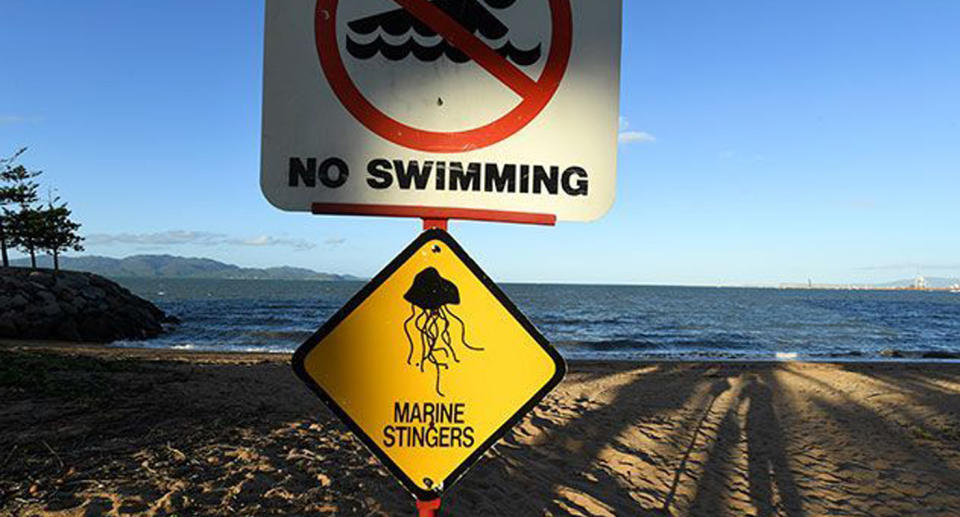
472,15
430,298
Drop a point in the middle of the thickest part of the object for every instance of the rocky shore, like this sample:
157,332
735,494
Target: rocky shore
73,306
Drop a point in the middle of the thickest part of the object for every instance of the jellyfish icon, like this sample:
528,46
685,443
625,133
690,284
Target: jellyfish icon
430,298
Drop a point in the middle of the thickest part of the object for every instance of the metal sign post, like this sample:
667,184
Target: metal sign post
428,508
478,110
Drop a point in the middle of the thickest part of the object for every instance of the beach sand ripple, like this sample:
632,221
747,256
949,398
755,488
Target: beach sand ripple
91,431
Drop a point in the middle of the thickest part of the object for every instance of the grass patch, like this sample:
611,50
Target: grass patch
56,374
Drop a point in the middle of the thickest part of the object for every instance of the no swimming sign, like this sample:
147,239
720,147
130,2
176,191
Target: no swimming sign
480,104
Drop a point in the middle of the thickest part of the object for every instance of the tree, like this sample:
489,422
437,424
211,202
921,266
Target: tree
26,231
8,197
33,228
58,232
21,228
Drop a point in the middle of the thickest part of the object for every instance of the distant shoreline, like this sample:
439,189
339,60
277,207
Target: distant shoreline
216,356
171,266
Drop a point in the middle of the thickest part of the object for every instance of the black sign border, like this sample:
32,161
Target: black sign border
301,353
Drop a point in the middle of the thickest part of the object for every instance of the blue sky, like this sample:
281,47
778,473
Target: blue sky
763,142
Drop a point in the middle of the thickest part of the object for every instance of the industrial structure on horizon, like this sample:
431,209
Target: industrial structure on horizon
920,283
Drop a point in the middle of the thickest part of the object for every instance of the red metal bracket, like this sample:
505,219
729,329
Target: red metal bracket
434,217
429,508
440,224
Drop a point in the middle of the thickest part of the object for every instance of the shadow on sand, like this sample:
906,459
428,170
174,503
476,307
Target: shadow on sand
102,435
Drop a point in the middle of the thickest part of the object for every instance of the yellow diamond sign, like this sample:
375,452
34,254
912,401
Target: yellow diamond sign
429,364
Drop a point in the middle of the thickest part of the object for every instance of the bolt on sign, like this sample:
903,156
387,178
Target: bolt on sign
500,105
408,364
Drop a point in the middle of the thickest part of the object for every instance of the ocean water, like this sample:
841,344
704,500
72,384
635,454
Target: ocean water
593,322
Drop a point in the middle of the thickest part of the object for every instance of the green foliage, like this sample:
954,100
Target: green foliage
26,225
21,227
57,231
25,228
9,196
22,189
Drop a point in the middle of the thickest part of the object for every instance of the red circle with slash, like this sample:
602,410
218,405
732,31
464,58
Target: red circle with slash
535,94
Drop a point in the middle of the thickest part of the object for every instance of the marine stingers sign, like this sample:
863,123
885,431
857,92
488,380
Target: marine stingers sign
430,364
489,104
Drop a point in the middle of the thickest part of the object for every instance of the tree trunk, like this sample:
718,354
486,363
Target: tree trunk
33,258
3,245
56,261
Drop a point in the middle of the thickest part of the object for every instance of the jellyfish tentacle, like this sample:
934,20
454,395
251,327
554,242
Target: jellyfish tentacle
423,351
445,336
431,332
463,331
431,325
437,386
419,325
442,337
424,338
438,365
413,314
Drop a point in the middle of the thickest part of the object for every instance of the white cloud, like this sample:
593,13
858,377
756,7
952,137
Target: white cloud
16,119
182,238
628,136
262,240
912,266
335,241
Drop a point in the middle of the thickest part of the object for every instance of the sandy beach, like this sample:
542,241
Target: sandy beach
97,431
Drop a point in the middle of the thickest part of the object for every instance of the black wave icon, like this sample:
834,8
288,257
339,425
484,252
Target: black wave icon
470,14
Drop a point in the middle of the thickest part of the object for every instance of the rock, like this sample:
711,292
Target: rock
73,307
894,354
92,293
99,329
76,281
68,331
41,278
7,325
69,309
51,309
940,355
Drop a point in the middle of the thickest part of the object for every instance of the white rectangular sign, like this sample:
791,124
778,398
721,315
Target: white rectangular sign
508,105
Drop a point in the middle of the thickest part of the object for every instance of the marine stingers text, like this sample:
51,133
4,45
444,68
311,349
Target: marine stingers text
428,424
383,174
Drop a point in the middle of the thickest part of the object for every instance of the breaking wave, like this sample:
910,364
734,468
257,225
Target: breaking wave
469,14
432,53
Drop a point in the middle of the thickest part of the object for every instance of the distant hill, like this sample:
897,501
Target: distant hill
168,266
